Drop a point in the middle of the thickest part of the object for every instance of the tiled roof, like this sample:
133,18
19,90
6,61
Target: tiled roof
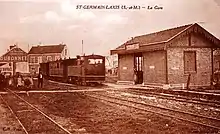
15,51
156,37
47,49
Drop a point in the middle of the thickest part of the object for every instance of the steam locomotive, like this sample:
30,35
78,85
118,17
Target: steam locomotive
82,70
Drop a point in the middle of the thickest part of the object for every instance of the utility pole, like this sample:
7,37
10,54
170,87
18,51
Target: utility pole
82,47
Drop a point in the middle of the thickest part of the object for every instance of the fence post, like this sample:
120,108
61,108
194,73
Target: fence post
188,81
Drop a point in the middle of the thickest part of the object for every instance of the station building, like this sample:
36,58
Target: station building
44,53
166,58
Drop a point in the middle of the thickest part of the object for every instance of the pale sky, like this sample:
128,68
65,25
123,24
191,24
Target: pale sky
55,21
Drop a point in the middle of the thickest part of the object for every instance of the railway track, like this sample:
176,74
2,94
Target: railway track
31,119
209,122
177,98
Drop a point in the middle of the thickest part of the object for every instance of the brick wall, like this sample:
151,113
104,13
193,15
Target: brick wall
154,67
179,42
126,67
176,73
154,64
175,57
216,60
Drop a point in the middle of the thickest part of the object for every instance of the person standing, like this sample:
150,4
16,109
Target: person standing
135,76
19,81
15,79
10,80
40,80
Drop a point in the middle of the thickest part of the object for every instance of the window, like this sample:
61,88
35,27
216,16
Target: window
36,59
32,59
49,58
95,61
40,59
189,61
57,57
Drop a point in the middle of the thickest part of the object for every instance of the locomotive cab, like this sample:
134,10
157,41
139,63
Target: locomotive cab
88,70
94,69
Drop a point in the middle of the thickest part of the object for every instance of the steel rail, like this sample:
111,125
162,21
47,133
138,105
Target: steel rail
180,98
211,118
53,121
14,115
147,110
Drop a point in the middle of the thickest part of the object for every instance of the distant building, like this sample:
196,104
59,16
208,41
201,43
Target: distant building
6,67
111,64
14,60
168,57
40,54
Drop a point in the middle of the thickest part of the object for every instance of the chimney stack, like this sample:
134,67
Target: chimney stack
11,47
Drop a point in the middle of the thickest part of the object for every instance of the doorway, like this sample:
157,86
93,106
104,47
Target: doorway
138,68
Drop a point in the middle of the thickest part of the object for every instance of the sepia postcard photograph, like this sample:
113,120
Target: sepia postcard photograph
110,67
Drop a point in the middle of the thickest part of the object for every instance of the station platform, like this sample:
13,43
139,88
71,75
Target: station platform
146,87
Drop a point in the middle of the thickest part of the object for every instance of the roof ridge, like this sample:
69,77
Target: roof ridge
49,45
186,25
164,35
47,49
13,49
181,32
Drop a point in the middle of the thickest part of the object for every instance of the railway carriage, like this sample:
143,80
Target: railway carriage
66,64
56,70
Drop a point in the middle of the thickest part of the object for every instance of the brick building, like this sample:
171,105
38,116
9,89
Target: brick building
39,54
14,60
168,57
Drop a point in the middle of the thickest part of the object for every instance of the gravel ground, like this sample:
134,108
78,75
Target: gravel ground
182,106
81,114
8,123
33,121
